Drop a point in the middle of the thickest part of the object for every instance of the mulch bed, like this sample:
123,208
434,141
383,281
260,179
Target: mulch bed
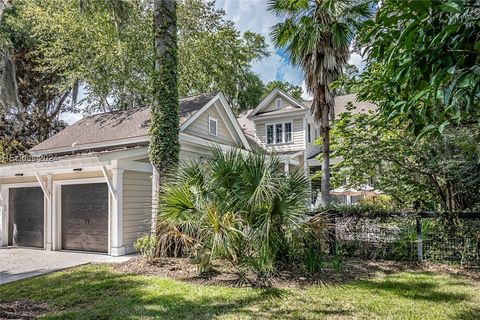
224,274
22,310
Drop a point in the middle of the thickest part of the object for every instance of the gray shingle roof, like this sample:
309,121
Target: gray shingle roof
341,103
117,125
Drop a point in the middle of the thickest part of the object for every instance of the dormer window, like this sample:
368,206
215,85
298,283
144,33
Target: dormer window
212,126
278,104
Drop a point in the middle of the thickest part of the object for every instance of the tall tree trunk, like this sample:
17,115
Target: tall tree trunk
8,83
164,147
325,135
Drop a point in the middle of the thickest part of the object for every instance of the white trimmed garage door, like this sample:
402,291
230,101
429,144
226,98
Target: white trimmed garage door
25,217
85,217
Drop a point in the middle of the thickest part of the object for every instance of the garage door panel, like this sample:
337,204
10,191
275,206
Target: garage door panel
26,217
85,217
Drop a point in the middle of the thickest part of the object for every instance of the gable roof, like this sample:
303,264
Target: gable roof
341,102
128,127
269,98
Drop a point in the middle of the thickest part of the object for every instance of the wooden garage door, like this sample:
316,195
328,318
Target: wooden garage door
26,217
85,217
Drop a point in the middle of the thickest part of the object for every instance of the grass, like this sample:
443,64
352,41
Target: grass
98,292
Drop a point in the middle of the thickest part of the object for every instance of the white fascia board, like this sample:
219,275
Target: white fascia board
80,147
51,167
287,115
198,113
269,98
234,121
187,141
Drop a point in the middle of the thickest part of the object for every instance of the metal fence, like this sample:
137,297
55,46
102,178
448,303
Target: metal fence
424,237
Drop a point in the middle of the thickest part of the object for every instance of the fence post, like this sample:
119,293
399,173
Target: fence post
419,240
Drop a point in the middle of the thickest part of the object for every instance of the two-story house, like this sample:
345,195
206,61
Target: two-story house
284,125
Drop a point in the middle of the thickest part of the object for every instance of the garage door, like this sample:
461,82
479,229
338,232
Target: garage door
85,217
26,215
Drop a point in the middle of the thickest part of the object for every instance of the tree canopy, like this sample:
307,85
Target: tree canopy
443,170
291,89
423,63
108,48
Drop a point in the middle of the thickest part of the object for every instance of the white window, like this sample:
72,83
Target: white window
212,126
309,133
270,134
288,132
277,133
278,104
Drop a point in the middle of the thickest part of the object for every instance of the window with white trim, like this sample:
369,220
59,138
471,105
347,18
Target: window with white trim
278,133
212,126
278,104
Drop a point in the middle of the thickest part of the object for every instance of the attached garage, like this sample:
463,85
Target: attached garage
26,217
84,217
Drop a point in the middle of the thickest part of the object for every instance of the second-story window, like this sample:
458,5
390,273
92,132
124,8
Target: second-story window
270,134
288,132
278,104
278,133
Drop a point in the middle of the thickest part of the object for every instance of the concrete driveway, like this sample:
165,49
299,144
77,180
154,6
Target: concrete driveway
22,263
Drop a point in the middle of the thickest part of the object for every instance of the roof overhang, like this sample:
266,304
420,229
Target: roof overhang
267,116
266,101
85,162
234,126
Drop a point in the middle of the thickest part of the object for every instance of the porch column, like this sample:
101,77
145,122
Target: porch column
287,167
49,225
116,244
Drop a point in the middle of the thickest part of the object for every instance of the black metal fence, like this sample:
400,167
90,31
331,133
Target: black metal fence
425,236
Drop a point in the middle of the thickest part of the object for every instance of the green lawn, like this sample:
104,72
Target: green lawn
97,292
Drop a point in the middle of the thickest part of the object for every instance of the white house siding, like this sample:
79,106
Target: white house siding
137,207
273,105
298,135
199,127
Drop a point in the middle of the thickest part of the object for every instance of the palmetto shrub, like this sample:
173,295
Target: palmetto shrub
239,205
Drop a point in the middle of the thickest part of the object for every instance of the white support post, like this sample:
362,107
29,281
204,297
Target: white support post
49,224
287,167
116,245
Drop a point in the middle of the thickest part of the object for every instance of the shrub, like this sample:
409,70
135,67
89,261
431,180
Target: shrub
240,206
147,245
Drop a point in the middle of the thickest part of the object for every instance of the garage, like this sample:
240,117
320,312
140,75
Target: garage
84,216
26,217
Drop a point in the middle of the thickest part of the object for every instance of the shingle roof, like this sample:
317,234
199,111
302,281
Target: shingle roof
248,128
341,103
111,126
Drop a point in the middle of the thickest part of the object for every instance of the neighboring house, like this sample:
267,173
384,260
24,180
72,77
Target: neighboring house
284,125
90,187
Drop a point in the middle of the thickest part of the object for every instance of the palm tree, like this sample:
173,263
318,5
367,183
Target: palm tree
242,207
316,35
164,147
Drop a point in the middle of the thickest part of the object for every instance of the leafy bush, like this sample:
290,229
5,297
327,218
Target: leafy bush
147,245
241,206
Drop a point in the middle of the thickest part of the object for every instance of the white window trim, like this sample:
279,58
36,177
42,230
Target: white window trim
278,104
210,118
275,133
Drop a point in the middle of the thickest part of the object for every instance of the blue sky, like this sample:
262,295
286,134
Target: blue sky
253,15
